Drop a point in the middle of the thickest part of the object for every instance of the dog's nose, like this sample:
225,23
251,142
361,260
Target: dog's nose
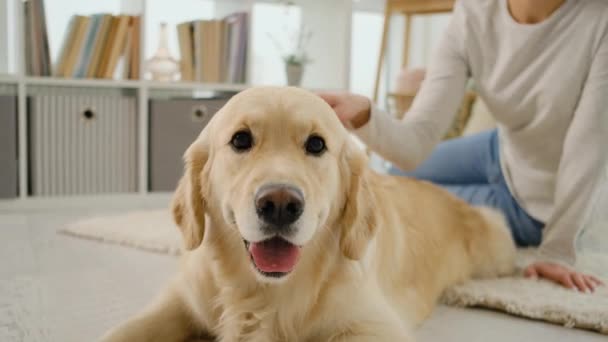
279,205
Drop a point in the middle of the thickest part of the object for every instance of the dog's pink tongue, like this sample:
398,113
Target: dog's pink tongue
274,255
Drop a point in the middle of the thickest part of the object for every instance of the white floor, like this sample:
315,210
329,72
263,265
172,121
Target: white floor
59,288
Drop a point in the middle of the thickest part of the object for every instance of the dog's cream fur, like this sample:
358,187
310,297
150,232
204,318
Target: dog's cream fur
377,251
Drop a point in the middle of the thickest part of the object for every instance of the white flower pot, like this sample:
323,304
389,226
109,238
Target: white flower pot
294,74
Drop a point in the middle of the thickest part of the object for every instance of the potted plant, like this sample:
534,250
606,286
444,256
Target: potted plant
295,58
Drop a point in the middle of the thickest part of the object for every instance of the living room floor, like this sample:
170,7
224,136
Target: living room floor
55,287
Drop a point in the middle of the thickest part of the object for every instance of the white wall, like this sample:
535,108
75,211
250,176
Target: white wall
367,28
7,36
4,37
330,43
329,46
426,33
366,37
281,22
224,8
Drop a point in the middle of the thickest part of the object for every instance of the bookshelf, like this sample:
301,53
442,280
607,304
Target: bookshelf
330,70
9,79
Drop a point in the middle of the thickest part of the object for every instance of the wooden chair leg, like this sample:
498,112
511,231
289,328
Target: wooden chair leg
406,43
385,28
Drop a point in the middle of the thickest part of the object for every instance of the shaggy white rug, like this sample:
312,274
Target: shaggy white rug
537,299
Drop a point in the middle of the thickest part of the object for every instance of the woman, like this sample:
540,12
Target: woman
542,69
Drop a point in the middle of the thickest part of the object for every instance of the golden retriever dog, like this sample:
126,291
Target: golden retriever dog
291,237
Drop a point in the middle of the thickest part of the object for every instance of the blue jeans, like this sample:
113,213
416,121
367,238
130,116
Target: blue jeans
469,167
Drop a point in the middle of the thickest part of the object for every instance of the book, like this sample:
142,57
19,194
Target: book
198,43
130,58
117,47
214,51
230,48
241,73
185,37
41,40
98,45
71,60
30,46
236,52
125,60
107,47
84,55
65,47
93,46
222,44
134,60
208,54
37,57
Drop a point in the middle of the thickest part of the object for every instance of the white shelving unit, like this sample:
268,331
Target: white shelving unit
333,18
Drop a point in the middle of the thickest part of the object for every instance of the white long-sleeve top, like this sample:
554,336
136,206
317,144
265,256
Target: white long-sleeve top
546,85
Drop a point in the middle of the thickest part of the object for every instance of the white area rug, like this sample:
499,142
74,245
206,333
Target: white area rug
151,230
537,299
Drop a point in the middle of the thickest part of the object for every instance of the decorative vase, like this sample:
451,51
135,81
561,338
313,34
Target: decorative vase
161,65
294,74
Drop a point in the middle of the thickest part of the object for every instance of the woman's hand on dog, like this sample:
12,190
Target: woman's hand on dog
352,110
563,275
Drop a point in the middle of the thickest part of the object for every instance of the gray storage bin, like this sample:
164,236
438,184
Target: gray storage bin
8,146
82,142
174,125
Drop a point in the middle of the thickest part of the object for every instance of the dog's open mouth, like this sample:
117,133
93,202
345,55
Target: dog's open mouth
274,257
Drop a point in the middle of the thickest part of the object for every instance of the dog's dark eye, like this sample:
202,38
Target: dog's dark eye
241,141
315,145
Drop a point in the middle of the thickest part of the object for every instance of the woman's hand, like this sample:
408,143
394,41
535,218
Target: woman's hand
562,275
352,110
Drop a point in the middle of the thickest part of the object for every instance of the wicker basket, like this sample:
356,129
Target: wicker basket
400,103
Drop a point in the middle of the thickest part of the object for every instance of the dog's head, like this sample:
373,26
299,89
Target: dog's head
276,167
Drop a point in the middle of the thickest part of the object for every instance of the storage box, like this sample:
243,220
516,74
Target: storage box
174,125
8,146
82,142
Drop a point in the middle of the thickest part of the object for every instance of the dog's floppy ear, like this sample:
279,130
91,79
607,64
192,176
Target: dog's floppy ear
188,204
358,216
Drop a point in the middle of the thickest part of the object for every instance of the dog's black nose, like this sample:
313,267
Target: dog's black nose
279,205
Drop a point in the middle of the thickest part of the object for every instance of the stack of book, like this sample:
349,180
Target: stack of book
37,57
214,51
94,46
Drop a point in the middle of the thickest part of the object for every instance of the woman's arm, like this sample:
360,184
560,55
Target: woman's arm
583,162
407,143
